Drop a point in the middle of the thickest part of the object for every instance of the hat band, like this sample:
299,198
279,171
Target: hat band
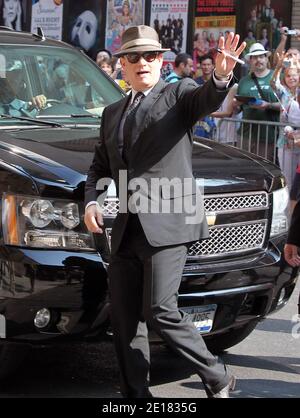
258,50
141,42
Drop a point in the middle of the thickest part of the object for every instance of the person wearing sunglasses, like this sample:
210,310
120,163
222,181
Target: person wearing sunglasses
146,141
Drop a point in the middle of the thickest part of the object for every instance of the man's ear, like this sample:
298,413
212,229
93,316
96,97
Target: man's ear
122,61
161,59
182,66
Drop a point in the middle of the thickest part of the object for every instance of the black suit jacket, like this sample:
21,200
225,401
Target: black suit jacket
161,150
294,230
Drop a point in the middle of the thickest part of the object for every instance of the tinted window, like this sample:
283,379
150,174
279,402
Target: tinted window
71,83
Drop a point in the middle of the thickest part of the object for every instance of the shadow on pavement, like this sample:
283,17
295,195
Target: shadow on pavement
280,364
277,325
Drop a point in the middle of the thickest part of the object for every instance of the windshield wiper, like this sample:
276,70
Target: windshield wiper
84,115
32,120
73,115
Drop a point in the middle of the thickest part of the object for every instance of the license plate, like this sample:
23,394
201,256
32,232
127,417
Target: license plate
2,327
202,316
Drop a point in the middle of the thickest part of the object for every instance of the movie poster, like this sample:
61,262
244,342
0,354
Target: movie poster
84,22
212,20
169,19
262,20
13,14
48,14
121,15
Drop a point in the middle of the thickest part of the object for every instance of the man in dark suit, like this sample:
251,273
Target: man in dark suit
291,253
146,147
292,246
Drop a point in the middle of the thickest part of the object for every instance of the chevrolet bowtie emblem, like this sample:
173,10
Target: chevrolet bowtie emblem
211,219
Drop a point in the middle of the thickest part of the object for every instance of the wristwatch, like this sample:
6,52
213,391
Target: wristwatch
222,77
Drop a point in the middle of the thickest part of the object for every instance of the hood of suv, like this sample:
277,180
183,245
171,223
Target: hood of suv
63,156
227,169
59,156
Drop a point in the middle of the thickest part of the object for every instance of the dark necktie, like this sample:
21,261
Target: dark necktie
128,124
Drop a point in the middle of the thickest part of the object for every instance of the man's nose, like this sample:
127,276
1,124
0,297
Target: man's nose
142,60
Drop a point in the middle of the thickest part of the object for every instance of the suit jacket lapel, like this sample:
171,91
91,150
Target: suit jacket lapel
115,121
144,112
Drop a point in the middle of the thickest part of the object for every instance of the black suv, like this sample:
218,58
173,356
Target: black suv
53,283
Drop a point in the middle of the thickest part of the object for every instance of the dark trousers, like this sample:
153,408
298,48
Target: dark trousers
144,283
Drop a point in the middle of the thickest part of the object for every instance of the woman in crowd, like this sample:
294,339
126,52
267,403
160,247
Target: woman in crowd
106,65
112,67
286,89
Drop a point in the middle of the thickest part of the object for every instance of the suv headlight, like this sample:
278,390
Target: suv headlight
280,212
44,223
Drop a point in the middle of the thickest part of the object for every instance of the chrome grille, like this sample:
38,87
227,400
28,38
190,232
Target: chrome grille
230,239
235,202
212,203
111,207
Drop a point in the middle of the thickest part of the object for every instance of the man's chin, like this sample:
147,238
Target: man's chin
142,85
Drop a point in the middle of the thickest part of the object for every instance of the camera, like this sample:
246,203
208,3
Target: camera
286,63
292,32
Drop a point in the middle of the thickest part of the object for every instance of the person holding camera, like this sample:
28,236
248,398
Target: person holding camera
285,83
291,53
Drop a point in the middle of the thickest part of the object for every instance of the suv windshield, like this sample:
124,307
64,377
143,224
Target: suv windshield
75,89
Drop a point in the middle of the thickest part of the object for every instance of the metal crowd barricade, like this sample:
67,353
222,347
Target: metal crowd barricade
246,134
256,138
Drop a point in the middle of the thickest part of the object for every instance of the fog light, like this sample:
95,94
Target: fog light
42,318
281,296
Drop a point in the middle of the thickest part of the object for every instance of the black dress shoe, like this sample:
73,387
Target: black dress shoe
224,393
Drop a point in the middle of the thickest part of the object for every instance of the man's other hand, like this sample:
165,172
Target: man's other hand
291,255
93,219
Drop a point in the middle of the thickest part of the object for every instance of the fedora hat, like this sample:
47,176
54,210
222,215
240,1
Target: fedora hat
257,49
140,38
